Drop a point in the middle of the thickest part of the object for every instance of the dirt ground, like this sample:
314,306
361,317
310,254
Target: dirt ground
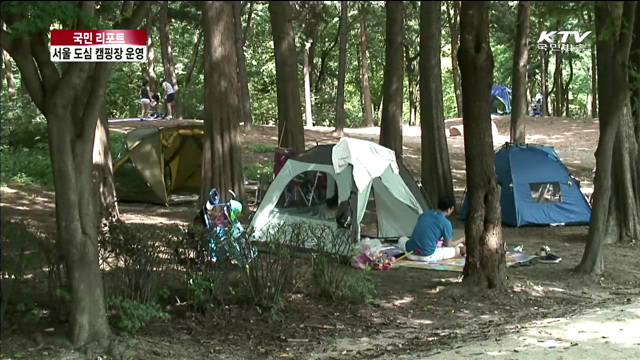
417,313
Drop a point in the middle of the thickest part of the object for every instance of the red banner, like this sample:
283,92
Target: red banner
98,37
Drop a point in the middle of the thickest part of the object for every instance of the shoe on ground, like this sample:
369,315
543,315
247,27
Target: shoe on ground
169,117
549,259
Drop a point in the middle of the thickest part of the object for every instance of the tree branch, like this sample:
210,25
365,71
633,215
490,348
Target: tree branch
21,54
137,16
248,26
626,29
48,70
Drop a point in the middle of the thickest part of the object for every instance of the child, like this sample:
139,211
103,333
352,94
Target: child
169,96
145,99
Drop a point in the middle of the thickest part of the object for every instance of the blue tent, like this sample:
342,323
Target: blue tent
502,94
536,188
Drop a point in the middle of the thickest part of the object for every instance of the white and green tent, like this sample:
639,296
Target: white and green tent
351,165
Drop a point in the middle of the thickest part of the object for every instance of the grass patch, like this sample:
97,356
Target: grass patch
262,148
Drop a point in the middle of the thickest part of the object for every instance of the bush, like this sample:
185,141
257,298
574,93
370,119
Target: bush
29,166
258,171
330,276
136,255
277,272
130,316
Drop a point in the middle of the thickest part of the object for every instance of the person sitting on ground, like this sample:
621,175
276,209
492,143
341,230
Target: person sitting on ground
145,99
169,96
432,226
155,99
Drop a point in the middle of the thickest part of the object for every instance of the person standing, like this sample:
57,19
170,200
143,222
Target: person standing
169,97
145,99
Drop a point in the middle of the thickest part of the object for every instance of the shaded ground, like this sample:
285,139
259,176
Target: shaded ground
417,313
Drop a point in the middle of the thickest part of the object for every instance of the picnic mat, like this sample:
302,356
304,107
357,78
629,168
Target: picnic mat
457,264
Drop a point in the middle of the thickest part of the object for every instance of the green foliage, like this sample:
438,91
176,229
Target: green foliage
257,171
26,166
262,148
130,316
118,143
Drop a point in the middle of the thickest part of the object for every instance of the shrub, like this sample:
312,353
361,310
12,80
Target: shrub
257,171
136,256
130,316
29,166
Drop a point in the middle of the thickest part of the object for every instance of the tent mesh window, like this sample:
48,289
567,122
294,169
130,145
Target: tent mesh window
546,192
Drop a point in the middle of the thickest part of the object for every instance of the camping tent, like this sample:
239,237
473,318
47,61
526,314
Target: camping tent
159,161
536,188
351,165
501,97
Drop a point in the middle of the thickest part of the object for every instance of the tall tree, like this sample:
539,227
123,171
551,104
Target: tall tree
104,183
567,86
453,11
290,128
483,232
308,115
614,22
195,54
149,71
519,74
544,81
243,80
594,82
391,121
167,58
222,153
70,97
436,169
364,67
342,68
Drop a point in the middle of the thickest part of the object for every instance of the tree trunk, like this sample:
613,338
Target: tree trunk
307,88
613,90
103,171
245,100
222,153
436,168
557,86
391,120
8,74
364,67
594,82
342,69
567,86
544,82
167,58
483,232
194,59
290,129
411,86
454,30
519,75
150,72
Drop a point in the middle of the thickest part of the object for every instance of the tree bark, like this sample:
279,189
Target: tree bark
436,168
567,86
454,30
391,121
150,72
103,171
483,232
364,67
544,82
8,74
307,88
410,70
222,153
557,86
519,75
290,129
616,20
245,100
594,82
342,69
167,58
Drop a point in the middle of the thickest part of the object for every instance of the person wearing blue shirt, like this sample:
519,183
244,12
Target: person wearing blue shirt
432,226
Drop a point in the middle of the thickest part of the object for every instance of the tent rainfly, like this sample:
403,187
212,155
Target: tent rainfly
353,166
159,162
536,188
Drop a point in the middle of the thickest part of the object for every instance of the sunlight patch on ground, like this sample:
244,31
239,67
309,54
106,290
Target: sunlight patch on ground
8,190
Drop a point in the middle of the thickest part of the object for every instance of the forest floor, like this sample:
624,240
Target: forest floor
417,313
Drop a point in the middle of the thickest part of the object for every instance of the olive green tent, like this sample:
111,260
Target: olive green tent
159,162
